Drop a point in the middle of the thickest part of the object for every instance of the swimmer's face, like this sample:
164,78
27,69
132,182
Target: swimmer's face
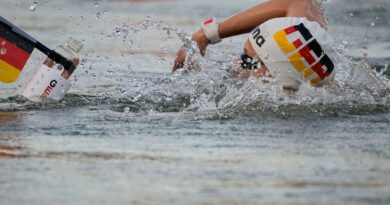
248,49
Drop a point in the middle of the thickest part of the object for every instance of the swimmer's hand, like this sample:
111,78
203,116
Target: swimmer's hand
201,40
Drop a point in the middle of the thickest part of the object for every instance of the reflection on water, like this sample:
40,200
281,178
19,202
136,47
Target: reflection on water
9,151
6,117
7,147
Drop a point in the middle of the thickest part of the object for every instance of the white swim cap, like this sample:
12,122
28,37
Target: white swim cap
295,50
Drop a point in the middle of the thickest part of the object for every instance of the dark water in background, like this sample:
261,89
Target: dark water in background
129,133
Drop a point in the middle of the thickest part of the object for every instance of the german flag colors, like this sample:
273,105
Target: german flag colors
14,53
307,57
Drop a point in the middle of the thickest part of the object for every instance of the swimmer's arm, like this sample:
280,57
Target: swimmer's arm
240,23
247,20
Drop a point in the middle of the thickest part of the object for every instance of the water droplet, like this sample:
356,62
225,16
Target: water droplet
3,43
33,6
117,31
96,4
161,60
345,42
126,110
3,51
351,14
372,23
98,15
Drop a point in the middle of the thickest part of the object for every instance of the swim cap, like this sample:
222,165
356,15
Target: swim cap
295,50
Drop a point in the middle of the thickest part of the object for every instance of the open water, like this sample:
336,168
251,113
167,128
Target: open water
129,132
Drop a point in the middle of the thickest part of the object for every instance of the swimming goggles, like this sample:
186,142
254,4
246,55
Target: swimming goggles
250,63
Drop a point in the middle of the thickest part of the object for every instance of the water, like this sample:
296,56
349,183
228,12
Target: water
130,133
33,6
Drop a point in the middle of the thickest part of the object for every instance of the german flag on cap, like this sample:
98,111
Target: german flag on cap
14,53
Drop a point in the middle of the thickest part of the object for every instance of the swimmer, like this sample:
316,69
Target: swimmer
288,41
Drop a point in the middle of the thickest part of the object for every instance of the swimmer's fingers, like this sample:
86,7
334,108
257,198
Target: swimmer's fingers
179,61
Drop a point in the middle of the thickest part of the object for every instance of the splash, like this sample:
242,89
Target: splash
34,6
358,88
203,86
